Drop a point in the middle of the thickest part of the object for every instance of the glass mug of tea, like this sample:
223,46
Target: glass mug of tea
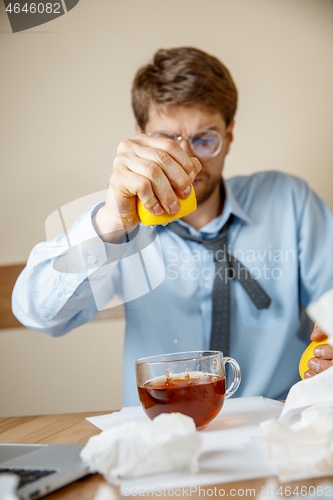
192,383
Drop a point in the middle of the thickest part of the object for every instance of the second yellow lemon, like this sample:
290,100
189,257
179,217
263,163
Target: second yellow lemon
308,354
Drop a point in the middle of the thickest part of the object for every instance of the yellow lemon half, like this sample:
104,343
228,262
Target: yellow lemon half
186,207
308,354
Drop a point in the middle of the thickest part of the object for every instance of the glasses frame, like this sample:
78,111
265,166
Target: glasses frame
179,138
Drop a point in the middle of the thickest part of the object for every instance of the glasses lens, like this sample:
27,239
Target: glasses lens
206,144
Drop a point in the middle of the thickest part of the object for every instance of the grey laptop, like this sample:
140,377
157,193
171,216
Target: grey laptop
42,468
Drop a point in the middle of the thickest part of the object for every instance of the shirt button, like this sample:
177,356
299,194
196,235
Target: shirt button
207,285
91,259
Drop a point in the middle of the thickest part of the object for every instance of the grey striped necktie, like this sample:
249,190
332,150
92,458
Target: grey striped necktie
227,267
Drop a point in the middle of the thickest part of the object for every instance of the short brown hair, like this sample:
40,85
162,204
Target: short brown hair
184,76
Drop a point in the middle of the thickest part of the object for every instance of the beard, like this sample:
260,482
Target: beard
206,186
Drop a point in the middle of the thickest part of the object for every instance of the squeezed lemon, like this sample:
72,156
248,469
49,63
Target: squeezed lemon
186,207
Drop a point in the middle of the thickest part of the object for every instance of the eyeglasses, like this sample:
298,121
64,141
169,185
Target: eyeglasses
204,143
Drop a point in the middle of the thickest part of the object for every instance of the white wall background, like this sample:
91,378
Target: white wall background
65,105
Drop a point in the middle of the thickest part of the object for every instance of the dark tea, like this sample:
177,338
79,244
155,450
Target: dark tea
196,394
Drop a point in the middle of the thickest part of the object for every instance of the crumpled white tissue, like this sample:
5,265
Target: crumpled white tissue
300,444
8,486
169,442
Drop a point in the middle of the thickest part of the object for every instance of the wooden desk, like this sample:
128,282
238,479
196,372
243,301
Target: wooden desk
74,429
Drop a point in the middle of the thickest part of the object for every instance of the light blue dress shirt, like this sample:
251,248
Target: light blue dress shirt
282,233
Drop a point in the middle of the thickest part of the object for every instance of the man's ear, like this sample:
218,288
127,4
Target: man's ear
230,135
138,129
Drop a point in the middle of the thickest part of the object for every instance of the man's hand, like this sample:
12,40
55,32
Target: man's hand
323,354
154,169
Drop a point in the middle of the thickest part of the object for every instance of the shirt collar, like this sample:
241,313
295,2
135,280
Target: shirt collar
235,207
231,206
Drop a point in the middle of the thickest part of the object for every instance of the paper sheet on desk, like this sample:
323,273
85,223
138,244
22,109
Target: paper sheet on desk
127,414
231,445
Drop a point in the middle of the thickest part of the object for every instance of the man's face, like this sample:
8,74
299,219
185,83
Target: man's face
185,121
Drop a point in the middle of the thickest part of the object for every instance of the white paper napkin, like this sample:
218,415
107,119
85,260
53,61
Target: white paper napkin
169,442
321,311
232,449
300,444
307,392
126,414
8,486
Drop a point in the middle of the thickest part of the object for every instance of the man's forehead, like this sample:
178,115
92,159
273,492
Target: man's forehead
180,118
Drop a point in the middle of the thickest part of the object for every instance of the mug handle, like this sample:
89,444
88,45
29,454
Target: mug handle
236,379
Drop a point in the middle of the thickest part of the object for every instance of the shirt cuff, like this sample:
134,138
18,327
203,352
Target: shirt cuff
93,250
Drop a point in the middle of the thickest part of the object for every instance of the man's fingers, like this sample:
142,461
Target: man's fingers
317,334
197,164
156,170
309,374
324,351
319,365
162,170
192,168
130,185
323,354
153,183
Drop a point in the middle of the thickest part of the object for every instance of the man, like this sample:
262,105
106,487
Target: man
269,228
